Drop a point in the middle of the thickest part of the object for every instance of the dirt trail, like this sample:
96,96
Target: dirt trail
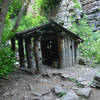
22,86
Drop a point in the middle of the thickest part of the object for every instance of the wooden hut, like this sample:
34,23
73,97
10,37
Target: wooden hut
48,44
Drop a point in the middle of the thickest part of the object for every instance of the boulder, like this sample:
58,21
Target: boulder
96,81
71,95
84,92
58,90
82,61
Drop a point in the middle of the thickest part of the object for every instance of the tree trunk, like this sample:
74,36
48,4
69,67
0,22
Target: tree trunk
3,12
25,4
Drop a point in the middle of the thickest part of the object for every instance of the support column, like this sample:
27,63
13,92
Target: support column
21,53
73,53
36,54
29,53
13,47
61,50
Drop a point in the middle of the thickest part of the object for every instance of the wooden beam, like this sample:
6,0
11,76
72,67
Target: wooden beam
66,52
36,54
29,53
13,46
61,60
21,53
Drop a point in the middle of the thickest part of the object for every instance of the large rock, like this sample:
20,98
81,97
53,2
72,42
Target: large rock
84,92
96,81
71,95
82,61
58,90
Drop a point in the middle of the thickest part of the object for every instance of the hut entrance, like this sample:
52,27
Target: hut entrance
49,51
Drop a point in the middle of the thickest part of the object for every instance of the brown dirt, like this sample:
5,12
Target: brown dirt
17,87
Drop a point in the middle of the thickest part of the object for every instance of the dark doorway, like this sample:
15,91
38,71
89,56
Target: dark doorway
49,51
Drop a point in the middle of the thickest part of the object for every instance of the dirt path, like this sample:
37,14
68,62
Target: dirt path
23,86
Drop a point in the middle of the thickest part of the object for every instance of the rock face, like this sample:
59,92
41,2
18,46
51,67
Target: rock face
64,11
92,9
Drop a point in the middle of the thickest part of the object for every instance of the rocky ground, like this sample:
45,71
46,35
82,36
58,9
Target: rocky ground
53,84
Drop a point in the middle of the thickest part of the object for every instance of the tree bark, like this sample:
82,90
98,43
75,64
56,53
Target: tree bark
25,4
3,12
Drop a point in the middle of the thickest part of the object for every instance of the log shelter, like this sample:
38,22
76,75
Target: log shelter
47,44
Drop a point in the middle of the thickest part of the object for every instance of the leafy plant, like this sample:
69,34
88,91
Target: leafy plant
45,6
30,21
6,61
90,46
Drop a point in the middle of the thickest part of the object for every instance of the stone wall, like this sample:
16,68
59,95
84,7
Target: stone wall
92,9
64,11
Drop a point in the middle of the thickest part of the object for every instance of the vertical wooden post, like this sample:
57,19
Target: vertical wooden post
21,53
69,45
73,53
66,51
29,53
61,60
76,53
36,54
13,47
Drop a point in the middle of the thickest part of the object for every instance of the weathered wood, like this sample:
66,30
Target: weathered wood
76,53
61,59
29,53
66,52
21,53
73,53
36,54
13,47
69,45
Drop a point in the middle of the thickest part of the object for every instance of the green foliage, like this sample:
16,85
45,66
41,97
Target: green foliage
62,94
7,29
6,61
15,7
45,6
90,46
30,21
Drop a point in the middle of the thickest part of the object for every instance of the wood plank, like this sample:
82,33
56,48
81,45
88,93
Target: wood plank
36,54
70,61
13,46
61,60
73,53
29,53
21,53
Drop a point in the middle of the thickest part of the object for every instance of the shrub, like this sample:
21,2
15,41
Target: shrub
6,61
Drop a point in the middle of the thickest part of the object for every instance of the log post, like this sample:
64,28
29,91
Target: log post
21,52
61,60
66,52
36,54
73,53
29,53
13,47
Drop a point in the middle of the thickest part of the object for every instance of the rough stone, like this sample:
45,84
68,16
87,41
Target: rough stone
14,93
43,81
82,61
71,95
84,92
6,94
96,81
64,76
58,90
